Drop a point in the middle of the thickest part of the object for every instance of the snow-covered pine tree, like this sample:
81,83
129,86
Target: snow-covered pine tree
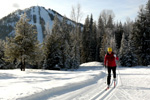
89,42
118,35
75,50
104,46
90,57
140,31
76,16
123,50
52,46
93,43
127,50
110,23
23,47
85,41
101,29
2,44
100,34
131,58
147,33
95,49
65,44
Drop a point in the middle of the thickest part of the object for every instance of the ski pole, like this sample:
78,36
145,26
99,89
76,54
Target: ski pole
105,73
119,75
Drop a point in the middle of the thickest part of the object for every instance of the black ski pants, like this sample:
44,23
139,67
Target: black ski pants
109,74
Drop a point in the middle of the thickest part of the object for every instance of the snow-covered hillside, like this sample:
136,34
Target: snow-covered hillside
87,83
38,16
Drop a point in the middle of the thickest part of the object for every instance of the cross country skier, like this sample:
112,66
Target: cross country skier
110,63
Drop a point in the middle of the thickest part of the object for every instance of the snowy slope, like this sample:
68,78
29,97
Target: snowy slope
38,16
87,83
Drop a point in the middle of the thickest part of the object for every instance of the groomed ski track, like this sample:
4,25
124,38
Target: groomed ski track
97,91
93,90
128,87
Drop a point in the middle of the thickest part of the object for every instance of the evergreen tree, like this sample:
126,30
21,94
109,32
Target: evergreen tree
76,15
140,34
75,53
85,41
75,46
147,33
65,44
131,55
100,36
101,27
130,59
75,38
95,49
118,35
52,52
123,50
89,41
2,44
52,46
93,43
127,50
104,46
110,23
23,47
62,46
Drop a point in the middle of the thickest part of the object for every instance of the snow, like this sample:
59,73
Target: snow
11,33
86,83
38,25
32,17
46,17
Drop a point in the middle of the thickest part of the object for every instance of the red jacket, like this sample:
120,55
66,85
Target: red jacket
109,60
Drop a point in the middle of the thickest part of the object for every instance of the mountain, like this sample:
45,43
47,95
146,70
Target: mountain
38,16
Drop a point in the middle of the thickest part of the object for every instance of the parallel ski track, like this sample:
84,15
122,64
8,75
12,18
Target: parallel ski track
125,94
86,93
105,94
109,94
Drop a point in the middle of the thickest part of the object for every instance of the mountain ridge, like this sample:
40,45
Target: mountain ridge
38,16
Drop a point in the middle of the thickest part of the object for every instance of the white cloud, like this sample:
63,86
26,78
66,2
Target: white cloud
15,5
9,6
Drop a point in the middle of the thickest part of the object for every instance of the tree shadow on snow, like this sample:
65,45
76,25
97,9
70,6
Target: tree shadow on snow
6,76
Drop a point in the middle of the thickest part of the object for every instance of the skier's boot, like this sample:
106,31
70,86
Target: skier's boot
114,82
107,87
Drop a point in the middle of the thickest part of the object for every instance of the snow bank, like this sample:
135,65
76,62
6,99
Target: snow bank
69,87
39,84
91,66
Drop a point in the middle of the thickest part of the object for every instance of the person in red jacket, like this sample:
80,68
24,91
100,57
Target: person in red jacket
110,63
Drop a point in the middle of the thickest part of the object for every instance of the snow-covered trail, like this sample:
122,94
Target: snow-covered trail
87,83
94,91
85,93
132,84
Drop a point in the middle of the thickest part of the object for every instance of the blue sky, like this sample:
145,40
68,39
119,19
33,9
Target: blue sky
121,8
